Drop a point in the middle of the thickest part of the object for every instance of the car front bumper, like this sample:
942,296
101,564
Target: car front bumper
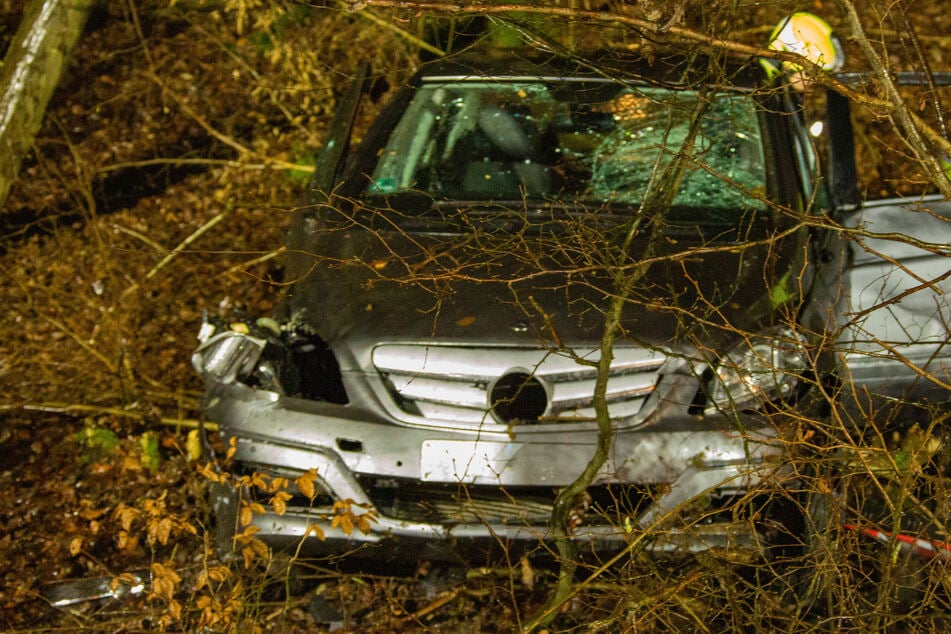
683,461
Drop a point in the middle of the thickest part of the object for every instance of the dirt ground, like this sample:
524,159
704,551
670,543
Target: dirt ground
158,191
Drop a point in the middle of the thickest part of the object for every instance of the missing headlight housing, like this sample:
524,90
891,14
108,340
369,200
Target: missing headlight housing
263,355
229,356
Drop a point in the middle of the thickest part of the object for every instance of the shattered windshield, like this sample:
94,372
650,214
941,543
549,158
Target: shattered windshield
591,142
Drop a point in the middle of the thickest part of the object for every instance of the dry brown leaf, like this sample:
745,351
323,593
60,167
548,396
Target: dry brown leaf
316,531
306,483
279,502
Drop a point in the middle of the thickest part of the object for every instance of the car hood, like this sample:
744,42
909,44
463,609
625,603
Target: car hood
359,287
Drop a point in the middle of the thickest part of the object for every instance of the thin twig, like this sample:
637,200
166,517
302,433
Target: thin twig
365,13
264,258
448,597
187,241
912,135
140,236
80,408
925,67
85,345
282,165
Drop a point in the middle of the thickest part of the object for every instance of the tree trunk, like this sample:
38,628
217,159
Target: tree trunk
32,67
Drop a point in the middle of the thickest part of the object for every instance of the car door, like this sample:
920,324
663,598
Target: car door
899,320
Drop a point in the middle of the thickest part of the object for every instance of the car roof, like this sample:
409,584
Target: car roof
674,70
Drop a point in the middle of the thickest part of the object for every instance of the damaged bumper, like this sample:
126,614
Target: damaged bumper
446,492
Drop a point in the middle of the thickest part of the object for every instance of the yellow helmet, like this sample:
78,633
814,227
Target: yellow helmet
810,36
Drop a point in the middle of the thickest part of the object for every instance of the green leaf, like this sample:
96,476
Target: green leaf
150,450
94,438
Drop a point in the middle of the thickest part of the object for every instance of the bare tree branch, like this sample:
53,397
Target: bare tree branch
900,112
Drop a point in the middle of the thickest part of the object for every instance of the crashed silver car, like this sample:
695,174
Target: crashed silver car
437,357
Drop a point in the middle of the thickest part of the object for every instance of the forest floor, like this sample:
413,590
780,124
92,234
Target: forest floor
158,190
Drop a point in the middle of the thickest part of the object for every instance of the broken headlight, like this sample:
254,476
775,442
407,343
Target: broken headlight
762,369
264,355
229,356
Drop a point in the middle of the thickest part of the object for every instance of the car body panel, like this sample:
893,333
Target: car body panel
897,341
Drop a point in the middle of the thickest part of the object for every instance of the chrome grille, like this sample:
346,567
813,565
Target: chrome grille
454,383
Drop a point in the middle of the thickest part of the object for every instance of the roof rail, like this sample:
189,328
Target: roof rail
903,78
